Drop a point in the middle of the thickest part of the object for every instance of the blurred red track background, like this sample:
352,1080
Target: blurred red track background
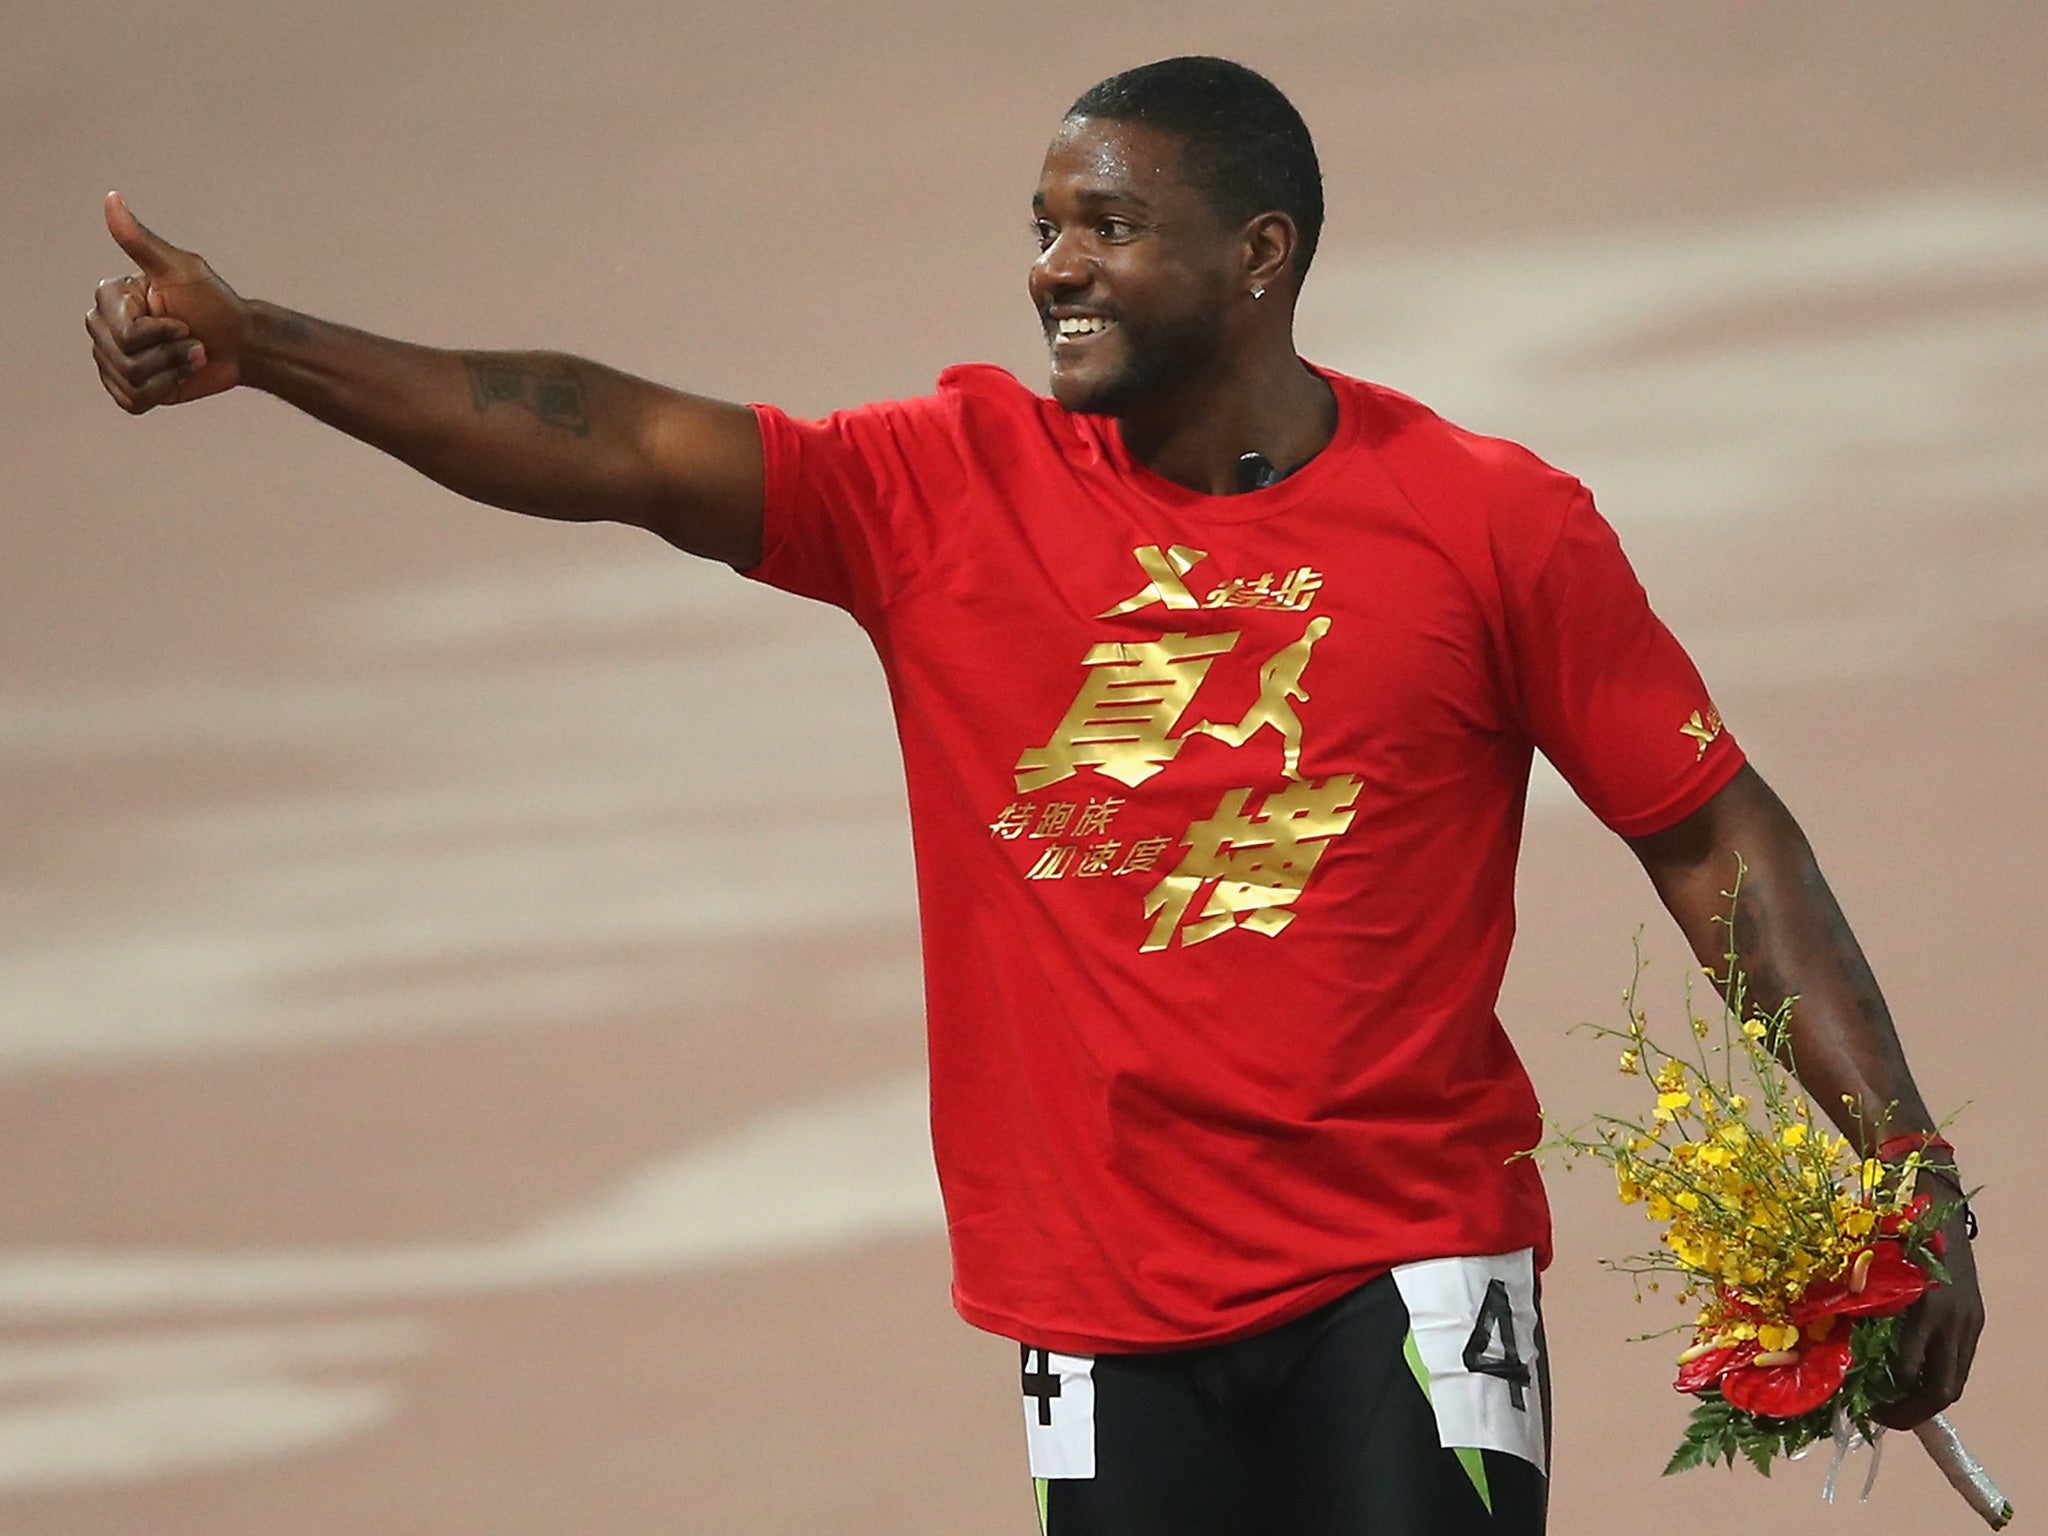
458,999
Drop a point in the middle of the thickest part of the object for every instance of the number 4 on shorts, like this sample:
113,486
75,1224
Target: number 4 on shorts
1497,1321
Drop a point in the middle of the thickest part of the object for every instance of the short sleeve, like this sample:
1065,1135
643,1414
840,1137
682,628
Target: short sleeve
852,503
1606,691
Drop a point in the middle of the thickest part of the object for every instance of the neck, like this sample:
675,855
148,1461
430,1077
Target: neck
1270,404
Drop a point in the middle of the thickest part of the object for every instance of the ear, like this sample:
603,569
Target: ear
1270,242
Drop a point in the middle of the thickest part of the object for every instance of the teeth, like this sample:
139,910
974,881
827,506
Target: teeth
1082,325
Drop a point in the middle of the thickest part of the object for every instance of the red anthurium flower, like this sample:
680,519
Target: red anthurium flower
1786,1391
1897,1222
1702,1371
1893,1283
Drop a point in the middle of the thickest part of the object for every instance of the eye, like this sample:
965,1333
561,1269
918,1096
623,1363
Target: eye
1044,231
1114,229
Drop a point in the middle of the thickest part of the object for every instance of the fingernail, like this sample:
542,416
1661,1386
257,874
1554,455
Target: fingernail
196,356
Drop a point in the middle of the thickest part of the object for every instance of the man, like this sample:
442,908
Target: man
1218,677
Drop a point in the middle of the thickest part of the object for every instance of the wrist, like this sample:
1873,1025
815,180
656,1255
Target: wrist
270,333
1937,1160
1933,1147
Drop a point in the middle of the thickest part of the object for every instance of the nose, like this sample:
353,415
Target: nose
1062,269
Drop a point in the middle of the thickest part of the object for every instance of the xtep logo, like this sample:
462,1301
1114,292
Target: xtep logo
1165,587
1703,731
1290,591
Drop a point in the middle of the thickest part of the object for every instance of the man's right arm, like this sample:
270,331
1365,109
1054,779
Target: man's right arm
534,432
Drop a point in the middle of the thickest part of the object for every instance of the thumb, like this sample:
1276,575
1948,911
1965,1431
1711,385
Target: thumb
149,251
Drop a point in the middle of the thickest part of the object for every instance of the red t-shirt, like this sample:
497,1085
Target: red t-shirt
1215,804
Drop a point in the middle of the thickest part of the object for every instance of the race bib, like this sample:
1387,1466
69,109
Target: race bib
1473,1322
1059,1413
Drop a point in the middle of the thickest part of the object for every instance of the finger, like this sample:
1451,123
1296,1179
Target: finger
1949,1370
1914,1338
1967,1355
126,335
1910,1371
121,298
118,388
180,359
155,255
115,347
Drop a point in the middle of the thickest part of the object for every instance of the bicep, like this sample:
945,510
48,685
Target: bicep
1744,832
706,489
1711,834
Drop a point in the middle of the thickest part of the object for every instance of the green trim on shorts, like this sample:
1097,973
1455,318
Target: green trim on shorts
1044,1487
1469,1456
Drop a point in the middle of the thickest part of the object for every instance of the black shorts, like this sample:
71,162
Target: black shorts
1416,1405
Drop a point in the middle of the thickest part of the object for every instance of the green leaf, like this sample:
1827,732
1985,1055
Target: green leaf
1690,1453
1761,1453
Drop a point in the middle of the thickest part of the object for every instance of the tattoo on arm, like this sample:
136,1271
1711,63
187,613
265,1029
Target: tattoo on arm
551,392
1753,944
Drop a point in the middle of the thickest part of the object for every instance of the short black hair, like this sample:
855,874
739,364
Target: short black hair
1243,144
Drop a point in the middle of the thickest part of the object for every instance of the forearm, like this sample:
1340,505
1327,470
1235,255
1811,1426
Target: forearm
1791,941
532,432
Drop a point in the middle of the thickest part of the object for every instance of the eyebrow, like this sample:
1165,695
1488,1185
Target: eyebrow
1097,197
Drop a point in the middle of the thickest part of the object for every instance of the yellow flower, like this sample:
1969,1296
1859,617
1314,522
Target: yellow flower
1676,1098
1792,1136
1777,1335
1631,1063
1755,1029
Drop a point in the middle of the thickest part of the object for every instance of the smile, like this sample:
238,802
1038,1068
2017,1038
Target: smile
1080,327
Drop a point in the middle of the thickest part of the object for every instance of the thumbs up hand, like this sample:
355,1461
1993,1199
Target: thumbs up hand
172,333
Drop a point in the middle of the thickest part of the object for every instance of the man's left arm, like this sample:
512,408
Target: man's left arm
1791,940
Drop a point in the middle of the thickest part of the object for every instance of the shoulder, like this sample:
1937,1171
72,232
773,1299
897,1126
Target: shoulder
1002,421
1464,483
966,398
1417,442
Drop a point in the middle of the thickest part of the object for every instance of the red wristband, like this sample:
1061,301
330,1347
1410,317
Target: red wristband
1923,1142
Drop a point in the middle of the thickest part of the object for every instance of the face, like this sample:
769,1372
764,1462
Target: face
1134,270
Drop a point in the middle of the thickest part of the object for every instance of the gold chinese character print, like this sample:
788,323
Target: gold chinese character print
1247,863
1053,818
1011,821
1703,731
1097,860
1279,682
1097,815
1291,591
1145,854
1166,586
1135,693
1253,864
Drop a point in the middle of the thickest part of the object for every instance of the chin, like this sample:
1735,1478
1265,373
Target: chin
1112,396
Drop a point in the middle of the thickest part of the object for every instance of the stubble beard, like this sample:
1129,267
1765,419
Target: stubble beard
1157,363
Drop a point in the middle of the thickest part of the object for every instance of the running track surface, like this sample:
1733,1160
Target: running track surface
458,1005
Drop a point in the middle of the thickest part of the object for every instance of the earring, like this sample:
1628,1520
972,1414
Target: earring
1258,293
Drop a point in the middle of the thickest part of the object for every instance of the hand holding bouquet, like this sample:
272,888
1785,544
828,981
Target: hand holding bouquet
1800,1255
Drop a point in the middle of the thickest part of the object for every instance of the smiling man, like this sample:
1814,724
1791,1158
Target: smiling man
1218,677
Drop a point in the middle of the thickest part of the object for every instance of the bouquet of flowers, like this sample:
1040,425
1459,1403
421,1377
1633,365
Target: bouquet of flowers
1799,1255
